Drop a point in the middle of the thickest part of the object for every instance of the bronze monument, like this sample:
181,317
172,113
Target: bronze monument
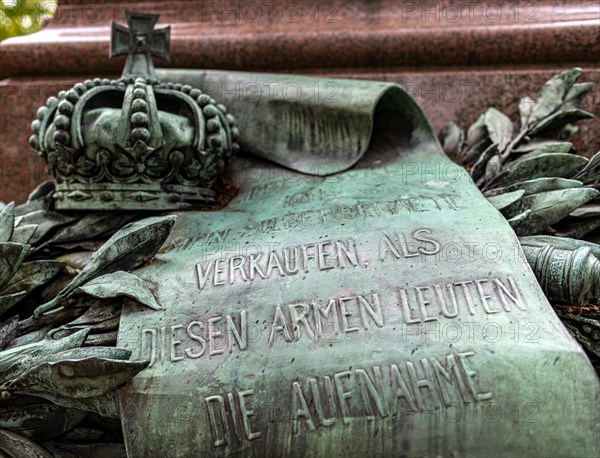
340,287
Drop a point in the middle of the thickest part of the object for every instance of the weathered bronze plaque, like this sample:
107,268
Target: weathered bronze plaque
384,310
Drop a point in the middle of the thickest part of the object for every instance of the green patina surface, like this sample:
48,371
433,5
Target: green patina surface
386,309
358,296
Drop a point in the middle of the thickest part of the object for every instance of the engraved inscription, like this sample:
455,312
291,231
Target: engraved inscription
288,261
394,390
319,217
334,215
319,321
311,257
210,239
324,320
233,409
430,302
330,217
397,246
195,339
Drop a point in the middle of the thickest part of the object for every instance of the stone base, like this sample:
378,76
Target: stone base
455,63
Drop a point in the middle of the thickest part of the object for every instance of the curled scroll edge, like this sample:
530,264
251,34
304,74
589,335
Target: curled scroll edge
317,126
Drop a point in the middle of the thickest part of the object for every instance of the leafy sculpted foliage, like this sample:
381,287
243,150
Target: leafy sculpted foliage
75,378
119,284
129,248
549,195
500,153
58,363
532,155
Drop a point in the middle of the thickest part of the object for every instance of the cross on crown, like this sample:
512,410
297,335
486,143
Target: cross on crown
140,42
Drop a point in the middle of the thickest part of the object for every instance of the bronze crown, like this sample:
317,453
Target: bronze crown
134,143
